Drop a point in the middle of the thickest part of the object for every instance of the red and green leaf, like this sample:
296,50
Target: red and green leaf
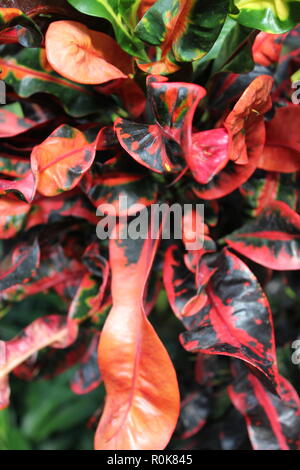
60,162
184,31
51,331
15,26
235,320
28,72
272,424
19,265
265,187
13,214
158,146
272,239
121,193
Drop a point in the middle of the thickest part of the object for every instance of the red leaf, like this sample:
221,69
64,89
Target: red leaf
142,403
208,155
271,423
52,330
235,318
245,123
272,239
83,55
282,148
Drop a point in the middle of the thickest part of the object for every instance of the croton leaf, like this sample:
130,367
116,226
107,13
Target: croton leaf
83,55
195,408
27,32
267,48
61,160
142,403
28,72
54,269
110,10
272,239
270,16
265,187
11,124
185,30
121,193
12,216
157,146
272,424
69,204
14,166
52,330
23,188
19,265
208,154
235,319
282,149
246,130
88,298
245,123
88,376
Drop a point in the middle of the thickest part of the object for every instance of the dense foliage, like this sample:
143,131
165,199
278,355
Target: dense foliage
167,101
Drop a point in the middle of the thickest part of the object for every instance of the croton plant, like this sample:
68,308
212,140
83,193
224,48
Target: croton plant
167,101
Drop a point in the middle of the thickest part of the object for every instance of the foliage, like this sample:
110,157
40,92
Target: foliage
144,344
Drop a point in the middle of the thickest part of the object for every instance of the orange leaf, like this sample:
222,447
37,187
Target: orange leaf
245,123
61,160
83,55
142,403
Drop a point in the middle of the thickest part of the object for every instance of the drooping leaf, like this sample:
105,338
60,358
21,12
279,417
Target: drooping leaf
19,265
272,424
272,239
235,319
270,16
28,72
59,162
282,149
52,330
142,403
84,56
